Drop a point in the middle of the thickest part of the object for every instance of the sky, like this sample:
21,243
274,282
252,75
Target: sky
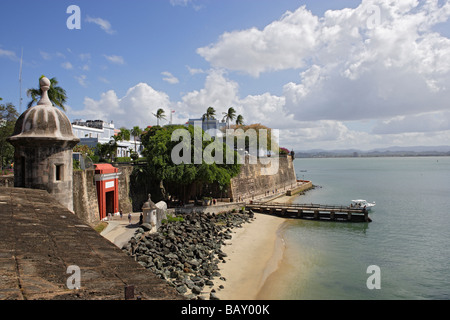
335,74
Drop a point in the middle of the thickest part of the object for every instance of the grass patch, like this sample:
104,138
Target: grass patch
171,219
101,226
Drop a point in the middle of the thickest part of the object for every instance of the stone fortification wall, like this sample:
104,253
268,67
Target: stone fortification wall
7,181
251,183
124,187
85,200
85,203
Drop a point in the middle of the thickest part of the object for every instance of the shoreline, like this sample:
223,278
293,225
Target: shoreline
255,252
251,258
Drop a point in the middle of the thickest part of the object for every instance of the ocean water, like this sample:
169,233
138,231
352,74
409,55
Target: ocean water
408,240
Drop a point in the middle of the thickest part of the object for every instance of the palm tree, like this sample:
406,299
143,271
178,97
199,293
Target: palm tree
210,114
229,116
136,132
57,95
124,134
160,114
239,120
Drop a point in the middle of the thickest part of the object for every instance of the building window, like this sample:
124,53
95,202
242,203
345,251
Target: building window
59,172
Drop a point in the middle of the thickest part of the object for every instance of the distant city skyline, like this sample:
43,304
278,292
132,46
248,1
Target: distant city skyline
338,74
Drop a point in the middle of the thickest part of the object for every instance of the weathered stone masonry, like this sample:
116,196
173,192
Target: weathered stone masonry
250,183
43,142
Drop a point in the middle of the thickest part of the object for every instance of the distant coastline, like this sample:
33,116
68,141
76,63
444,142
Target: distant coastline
419,151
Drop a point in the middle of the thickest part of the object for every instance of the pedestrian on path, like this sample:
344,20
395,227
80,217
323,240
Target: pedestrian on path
129,218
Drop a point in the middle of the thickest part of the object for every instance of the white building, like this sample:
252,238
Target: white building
212,126
92,132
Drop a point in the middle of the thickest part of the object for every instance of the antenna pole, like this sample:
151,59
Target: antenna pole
20,83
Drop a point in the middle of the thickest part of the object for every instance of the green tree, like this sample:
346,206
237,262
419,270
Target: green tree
8,117
210,114
106,151
255,129
175,179
84,150
240,120
230,115
56,94
136,132
160,114
123,135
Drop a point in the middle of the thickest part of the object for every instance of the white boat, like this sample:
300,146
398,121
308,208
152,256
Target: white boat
362,203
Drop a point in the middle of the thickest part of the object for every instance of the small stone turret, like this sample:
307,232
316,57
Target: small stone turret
149,212
43,142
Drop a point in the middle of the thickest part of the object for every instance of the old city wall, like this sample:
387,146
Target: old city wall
7,181
85,204
125,203
251,182
248,184
85,201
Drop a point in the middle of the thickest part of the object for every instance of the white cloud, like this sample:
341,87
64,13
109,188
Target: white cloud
104,80
114,59
185,3
84,56
352,70
67,65
180,2
422,122
283,44
45,55
135,108
169,77
49,56
194,71
218,92
394,73
82,80
102,23
8,54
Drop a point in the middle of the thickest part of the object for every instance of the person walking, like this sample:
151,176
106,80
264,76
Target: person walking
129,218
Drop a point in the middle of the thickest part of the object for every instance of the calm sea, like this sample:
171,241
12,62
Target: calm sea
409,238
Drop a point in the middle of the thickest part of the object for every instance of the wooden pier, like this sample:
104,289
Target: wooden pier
312,211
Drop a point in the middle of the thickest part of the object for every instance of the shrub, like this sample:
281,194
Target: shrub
123,159
171,219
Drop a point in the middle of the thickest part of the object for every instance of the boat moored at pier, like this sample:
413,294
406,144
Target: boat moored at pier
362,204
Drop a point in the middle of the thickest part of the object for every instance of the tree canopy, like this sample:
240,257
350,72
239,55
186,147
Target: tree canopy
162,169
56,94
8,117
230,115
160,114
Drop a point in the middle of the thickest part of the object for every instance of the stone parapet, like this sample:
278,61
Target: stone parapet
40,239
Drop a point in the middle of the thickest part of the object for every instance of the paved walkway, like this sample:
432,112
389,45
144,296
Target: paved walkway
40,239
119,231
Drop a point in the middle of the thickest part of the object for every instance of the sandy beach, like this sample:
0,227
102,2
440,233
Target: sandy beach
253,254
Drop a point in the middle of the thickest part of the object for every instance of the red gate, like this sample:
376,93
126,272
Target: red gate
107,183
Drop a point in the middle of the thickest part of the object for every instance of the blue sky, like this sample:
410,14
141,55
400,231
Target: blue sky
328,74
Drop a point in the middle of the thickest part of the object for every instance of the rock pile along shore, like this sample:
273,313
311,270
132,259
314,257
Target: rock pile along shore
186,251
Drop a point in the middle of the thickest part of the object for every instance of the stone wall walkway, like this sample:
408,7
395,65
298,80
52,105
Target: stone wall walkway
40,239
